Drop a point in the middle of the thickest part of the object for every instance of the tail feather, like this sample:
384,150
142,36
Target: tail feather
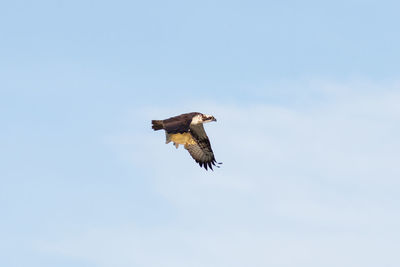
157,125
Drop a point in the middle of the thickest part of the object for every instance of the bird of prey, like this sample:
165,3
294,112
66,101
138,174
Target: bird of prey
187,129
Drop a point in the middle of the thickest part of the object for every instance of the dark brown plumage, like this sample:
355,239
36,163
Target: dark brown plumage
187,129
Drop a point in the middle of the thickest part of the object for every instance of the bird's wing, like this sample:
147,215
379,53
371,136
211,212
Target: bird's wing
200,148
179,124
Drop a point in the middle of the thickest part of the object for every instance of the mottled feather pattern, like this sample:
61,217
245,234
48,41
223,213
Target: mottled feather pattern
183,129
201,152
201,156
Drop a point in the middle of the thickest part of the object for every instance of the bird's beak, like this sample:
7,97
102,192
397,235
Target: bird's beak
214,119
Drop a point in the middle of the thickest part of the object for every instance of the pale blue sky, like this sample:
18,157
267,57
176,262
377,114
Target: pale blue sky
306,95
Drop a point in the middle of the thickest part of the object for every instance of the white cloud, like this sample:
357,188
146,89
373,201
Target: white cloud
300,186
132,246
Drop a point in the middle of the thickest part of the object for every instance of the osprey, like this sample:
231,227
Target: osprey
187,129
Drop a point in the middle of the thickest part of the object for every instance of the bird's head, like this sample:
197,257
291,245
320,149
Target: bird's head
207,118
202,118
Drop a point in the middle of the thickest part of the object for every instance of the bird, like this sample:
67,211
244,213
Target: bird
187,130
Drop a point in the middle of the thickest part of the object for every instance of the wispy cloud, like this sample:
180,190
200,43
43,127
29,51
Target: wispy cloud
301,185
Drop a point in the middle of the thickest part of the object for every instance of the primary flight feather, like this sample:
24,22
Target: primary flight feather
187,129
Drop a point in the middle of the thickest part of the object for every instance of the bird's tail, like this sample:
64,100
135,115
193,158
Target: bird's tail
157,125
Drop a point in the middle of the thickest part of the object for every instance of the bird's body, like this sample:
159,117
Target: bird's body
180,139
187,130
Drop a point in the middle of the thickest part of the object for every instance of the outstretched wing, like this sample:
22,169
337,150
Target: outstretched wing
200,148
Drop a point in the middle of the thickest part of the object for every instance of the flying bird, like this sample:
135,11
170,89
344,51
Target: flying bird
187,129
